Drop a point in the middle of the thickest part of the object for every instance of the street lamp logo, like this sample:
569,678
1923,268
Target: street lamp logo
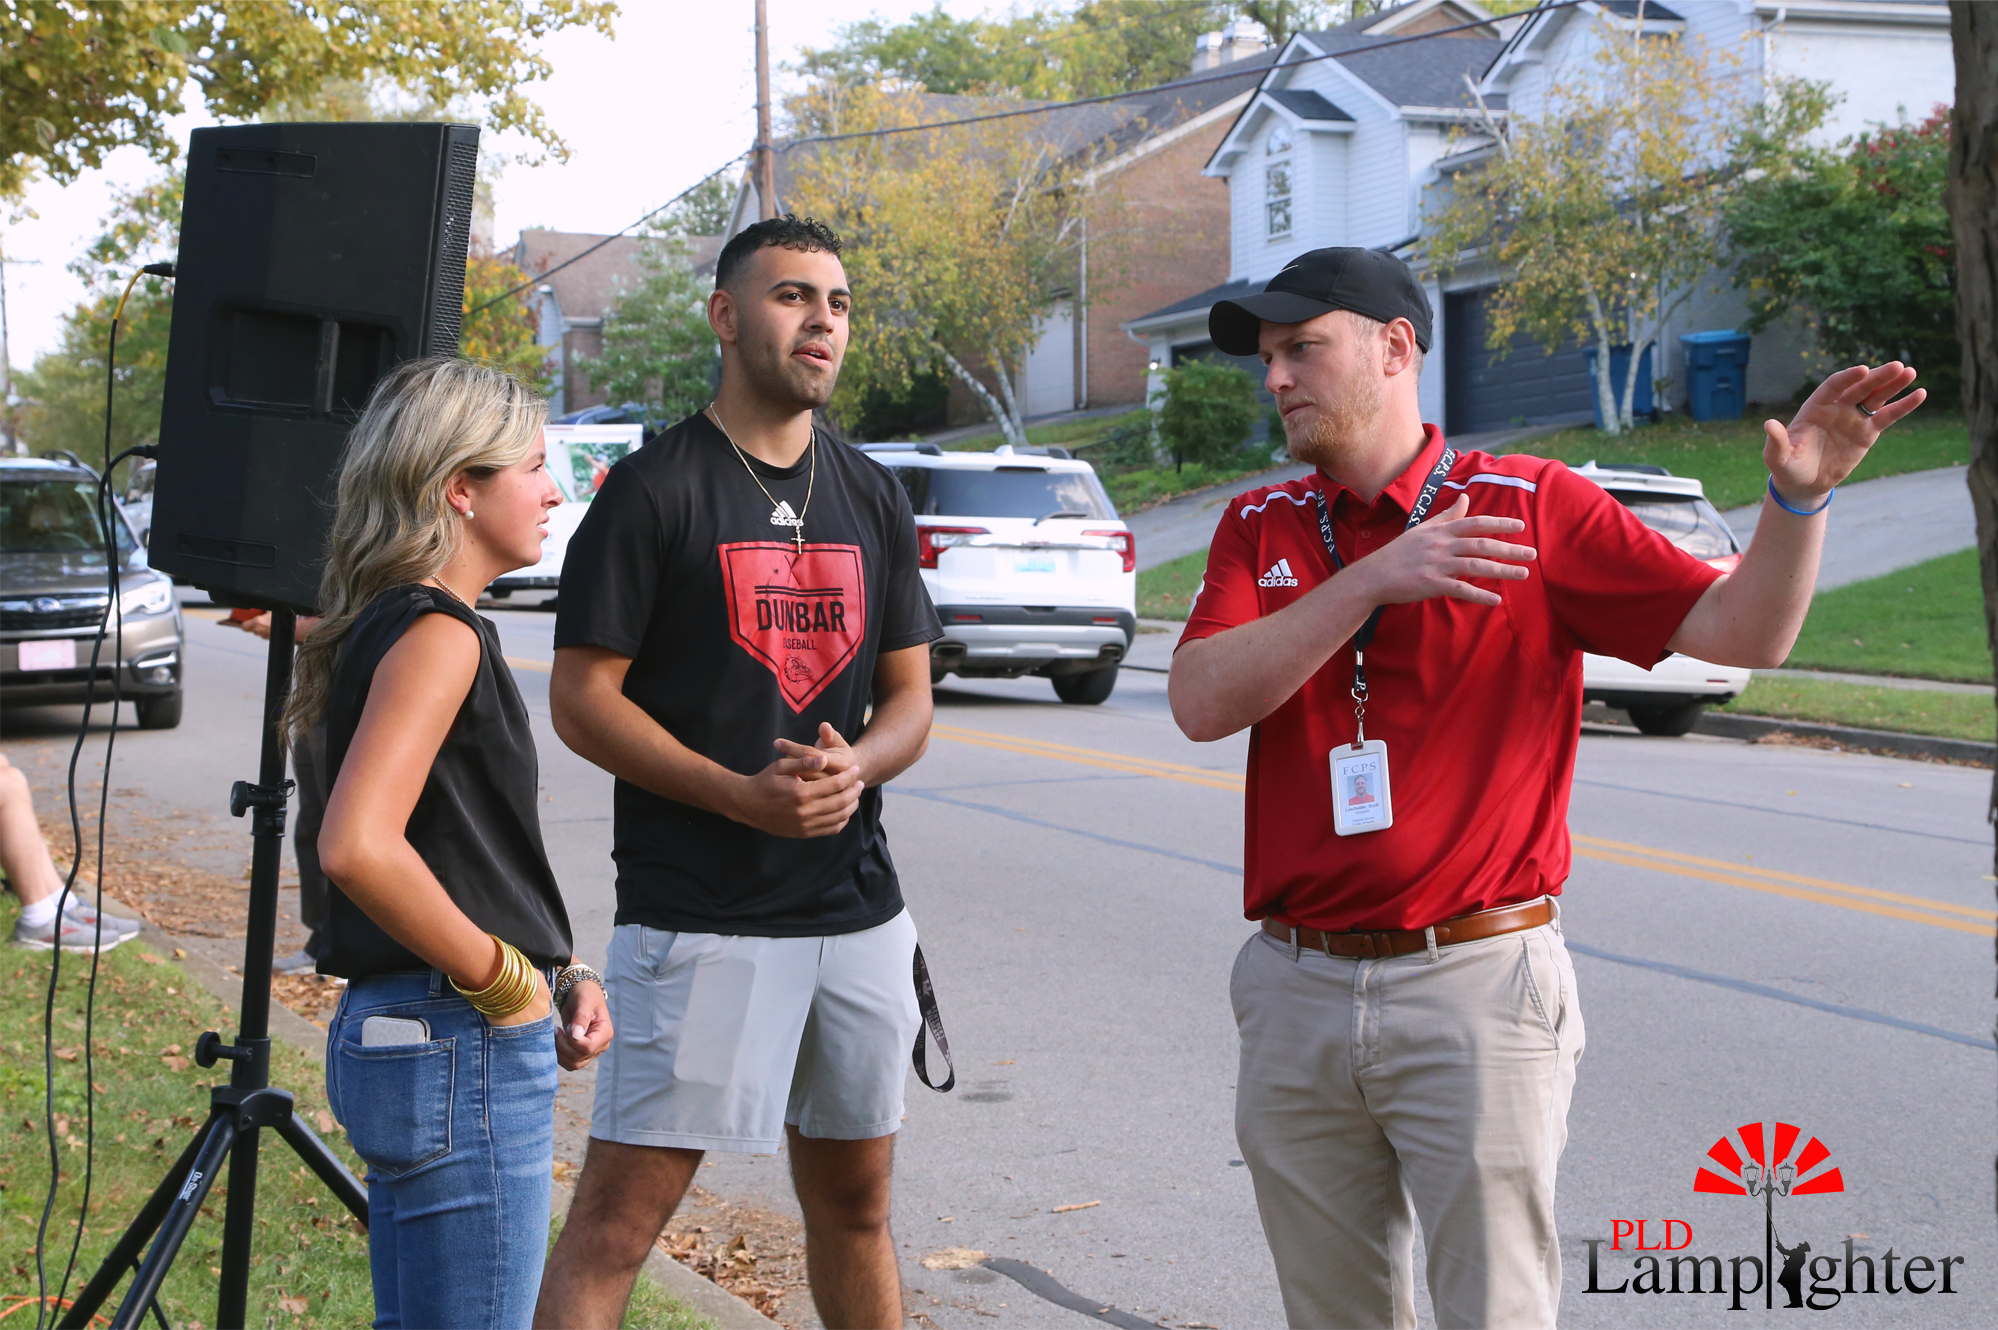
1763,1166
1761,1161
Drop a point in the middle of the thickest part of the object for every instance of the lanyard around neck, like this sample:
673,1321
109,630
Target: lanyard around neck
1363,638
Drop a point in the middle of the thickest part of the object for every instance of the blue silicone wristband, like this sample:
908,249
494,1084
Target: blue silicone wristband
1801,512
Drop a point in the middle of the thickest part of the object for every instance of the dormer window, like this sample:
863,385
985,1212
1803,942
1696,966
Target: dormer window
1276,198
1278,142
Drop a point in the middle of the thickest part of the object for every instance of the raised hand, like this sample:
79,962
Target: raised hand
1830,433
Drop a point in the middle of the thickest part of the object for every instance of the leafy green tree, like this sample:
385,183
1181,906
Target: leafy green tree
1604,212
704,212
1207,413
658,348
80,78
1050,52
503,335
1858,241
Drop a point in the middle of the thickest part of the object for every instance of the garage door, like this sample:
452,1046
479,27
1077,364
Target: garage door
1487,390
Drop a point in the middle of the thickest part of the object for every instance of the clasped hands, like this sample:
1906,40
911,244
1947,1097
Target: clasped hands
807,791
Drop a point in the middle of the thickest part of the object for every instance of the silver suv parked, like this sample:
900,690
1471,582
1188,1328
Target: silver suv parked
54,594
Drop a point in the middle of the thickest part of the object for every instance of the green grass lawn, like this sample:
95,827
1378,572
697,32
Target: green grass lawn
309,1265
1726,455
1166,592
1951,715
1924,622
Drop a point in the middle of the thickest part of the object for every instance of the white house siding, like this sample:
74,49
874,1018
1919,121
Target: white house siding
1884,76
1429,397
1330,163
1253,251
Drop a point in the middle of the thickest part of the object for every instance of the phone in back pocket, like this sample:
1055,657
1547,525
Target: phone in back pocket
388,1031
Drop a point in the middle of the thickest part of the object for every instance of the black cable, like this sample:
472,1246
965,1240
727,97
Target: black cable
107,518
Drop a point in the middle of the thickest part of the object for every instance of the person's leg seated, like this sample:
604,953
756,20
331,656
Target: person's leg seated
1328,1187
1478,1064
845,1106
706,1034
31,873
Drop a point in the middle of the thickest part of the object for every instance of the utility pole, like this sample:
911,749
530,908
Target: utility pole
7,441
766,157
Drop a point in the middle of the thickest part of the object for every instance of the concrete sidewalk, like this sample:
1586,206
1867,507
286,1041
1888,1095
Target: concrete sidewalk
1879,526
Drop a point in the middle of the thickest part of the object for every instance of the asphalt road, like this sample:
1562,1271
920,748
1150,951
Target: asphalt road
1762,933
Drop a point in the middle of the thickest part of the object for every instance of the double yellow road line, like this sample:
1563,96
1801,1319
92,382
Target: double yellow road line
1819,891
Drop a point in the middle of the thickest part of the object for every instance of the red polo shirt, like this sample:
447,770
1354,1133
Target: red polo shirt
1480,707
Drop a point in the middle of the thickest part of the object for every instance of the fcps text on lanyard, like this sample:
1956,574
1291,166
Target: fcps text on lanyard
1361,639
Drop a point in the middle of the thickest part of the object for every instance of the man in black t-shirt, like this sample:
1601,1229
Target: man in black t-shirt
741,591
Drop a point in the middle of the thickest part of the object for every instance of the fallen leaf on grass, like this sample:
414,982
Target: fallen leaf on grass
1064,1209
176,1063
150,959
296,1306
953,1258
66,1054
180,953
324,1121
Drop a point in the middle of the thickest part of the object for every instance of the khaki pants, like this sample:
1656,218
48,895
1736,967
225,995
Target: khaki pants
1374,1092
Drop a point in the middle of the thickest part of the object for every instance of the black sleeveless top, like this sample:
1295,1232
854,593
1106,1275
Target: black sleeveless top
476,824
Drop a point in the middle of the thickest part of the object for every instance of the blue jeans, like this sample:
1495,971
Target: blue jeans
459,1136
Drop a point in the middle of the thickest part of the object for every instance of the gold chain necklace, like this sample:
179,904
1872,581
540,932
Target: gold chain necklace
811,479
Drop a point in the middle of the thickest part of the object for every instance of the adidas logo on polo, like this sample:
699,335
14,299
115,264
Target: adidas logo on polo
782,515
1278,575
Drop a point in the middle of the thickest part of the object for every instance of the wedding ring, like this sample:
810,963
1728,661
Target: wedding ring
1863,409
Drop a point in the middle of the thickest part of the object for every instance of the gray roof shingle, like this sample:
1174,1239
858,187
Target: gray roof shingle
1308,105
1429,72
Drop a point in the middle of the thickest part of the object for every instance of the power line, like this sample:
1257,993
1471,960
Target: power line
1042,109
578,257
1133,93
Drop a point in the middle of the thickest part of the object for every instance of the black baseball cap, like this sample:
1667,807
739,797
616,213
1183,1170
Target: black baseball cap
1366,281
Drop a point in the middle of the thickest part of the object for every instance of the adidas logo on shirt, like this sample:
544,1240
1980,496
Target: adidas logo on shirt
782,515
1278,575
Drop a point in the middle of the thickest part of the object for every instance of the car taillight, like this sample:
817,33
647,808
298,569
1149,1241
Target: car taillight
1124,543
932,541
1727,563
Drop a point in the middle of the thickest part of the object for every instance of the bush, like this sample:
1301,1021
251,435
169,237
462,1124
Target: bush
1208,413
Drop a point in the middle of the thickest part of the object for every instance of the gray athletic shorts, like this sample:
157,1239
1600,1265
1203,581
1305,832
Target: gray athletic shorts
720,1040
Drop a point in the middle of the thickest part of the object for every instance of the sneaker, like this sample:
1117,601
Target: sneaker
68,933
85,913
296,963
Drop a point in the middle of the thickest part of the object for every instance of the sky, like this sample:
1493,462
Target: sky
645,115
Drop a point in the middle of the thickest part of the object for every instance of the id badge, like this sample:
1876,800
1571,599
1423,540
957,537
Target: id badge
1361,800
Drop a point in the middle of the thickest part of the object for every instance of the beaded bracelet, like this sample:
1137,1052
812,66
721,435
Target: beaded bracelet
571,976
508,995
1800,512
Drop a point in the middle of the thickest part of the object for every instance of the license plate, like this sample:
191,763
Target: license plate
1034,563
58,653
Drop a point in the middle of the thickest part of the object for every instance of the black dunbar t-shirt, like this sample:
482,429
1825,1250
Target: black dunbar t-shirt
736,640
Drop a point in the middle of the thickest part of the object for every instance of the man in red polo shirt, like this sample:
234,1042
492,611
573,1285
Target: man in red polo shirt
1408,1012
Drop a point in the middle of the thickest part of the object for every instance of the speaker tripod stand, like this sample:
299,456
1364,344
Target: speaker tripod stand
239,1111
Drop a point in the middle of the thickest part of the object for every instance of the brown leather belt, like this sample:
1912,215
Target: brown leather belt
1404,941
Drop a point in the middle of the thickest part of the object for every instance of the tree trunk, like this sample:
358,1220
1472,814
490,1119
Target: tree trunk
1008,426
1606,403
1973,206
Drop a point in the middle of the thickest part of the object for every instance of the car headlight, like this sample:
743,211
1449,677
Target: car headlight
155,597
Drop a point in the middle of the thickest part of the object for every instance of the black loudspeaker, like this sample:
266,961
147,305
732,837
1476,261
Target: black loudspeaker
313,257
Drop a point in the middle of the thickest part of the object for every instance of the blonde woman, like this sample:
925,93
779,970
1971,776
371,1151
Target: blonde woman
446,920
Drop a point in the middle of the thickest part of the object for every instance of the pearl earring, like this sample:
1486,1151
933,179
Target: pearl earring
468,514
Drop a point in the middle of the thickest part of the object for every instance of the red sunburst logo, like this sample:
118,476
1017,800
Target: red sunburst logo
1757,1158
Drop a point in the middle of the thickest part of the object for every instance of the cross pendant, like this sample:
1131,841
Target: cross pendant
798,534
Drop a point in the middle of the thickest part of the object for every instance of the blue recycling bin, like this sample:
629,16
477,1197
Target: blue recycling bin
1716,374
1640,400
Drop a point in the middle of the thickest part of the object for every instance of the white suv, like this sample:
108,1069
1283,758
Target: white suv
1027,562
1669,697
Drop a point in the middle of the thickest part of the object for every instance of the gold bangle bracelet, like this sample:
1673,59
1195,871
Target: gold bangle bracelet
509,994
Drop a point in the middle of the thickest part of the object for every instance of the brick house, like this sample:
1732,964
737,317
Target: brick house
571,304
1169,231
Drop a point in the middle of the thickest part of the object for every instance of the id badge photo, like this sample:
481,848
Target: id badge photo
1361,799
